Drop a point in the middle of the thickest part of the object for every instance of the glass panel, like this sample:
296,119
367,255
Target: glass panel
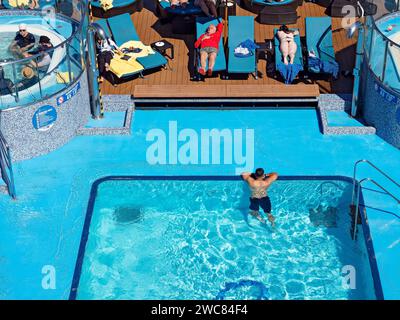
377,53
392,70
44,74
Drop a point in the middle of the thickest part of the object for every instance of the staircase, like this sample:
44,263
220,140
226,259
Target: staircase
118,112
335,116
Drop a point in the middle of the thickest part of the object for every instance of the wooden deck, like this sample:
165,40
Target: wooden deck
177,77
225,91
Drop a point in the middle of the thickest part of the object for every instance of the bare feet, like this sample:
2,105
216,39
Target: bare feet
271,219
257,215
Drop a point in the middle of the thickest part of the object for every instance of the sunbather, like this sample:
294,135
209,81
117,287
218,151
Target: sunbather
209,43
288,46
105,52
209,7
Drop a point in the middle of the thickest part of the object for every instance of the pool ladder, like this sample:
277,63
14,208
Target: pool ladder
355,197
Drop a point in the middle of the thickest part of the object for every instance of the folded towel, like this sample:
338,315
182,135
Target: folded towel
106,4
317,65
122,67
144,52
18,3
63,77
245,49
289,72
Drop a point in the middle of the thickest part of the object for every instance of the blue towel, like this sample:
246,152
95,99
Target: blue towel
317,65
247,44
289,72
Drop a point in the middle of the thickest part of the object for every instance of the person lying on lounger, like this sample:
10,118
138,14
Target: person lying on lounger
105,52
209,7
209,43
288,46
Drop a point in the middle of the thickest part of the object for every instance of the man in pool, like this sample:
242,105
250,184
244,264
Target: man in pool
23,41
259,183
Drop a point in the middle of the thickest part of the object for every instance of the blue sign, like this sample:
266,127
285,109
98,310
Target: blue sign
386,95
69,94
44,118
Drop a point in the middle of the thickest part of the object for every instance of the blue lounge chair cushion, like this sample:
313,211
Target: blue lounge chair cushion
319,37
116,3
152,61
188,10
202,24
241,28
122,28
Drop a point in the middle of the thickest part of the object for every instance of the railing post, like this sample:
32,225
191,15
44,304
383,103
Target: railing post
385,60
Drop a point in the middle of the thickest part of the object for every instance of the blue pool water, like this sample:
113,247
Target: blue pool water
188,239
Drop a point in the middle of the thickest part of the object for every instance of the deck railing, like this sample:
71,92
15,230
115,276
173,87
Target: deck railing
383,53
6,168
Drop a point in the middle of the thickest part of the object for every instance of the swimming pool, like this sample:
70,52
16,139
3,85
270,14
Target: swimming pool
191,238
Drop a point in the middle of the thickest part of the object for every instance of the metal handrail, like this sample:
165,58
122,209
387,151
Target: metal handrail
373,166
6,164
358,200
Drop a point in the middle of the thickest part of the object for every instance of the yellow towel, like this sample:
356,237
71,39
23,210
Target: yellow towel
106,4
146,50
122,67
18,3
63,77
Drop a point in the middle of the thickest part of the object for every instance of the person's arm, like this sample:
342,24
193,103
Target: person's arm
246,176
271,177
29,46
220,27
199,40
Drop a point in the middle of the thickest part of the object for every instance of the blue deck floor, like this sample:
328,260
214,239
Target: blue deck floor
43,227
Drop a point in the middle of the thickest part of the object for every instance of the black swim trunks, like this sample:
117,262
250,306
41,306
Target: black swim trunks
264,203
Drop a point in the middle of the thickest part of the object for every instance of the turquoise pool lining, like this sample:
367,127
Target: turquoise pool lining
94,190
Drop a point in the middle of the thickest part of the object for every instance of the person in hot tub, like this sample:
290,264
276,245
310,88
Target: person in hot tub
45,55
23,41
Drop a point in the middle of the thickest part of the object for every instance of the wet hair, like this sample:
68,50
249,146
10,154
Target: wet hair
44,39
259,173
284,28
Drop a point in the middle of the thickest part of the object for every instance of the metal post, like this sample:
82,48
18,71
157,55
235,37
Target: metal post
68,63
15,83
37,72
385,60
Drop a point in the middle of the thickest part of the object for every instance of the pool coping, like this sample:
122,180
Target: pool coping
93,194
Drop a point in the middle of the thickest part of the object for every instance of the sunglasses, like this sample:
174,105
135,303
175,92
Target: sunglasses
22,30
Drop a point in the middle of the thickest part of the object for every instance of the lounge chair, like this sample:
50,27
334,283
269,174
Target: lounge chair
119,68
288,72
320,42
123,30
241,28
202,24
118,7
